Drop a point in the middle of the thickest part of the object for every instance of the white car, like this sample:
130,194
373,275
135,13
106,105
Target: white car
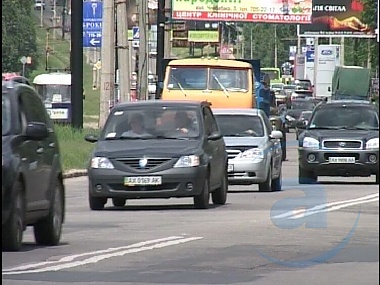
253,148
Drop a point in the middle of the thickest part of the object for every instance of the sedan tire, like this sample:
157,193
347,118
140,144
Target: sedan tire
119,202
219,196
202,201
266,186
48,230
13,229
277,183
97,203
306,177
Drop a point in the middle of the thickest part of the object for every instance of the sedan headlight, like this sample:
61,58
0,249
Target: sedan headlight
254,153
310,143
372,144
101,163
188,161
290,118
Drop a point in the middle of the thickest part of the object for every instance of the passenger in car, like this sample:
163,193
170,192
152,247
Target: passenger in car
183,123
136,123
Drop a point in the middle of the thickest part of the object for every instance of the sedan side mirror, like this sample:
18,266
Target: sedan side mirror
91,138
36,131
301,124
276,135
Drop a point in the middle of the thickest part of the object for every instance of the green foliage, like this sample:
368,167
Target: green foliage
18,34
75,151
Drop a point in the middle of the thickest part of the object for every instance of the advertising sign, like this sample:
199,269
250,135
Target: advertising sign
261,11
337,18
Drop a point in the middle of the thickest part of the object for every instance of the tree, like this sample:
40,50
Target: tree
18,34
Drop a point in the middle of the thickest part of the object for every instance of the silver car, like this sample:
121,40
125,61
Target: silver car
254,149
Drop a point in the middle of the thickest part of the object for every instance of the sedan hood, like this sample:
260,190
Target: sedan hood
151,147
244,141
342,134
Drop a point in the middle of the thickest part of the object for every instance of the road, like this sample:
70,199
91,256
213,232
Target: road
244,242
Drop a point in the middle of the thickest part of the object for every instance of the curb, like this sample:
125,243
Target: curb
75,173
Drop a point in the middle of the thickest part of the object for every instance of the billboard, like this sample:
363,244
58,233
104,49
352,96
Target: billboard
260,11
337,18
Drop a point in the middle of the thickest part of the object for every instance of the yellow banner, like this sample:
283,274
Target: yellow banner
266,11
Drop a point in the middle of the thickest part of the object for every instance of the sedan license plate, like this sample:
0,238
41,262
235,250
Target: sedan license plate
142,180
342,159
230,168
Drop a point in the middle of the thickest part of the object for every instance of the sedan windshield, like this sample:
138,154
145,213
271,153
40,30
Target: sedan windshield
153,123
240,125
6,113
345,118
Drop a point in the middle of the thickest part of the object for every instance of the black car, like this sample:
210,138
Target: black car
158,149
341,139
33,192
297,106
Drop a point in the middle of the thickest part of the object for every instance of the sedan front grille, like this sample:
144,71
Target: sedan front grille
342,144
138,163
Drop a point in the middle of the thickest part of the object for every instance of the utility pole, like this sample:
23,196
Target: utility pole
76,62
160,46
142,79
167,36
123,50
54,16
107,79
275,45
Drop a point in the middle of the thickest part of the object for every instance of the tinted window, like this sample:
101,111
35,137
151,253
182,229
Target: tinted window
210,123
6,114
151,122
345,117
32,106
240,125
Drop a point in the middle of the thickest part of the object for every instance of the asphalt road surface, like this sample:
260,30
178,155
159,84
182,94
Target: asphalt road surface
321,234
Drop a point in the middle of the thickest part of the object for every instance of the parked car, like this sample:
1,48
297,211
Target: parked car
302,121
340,139
33,192
158,149
254,149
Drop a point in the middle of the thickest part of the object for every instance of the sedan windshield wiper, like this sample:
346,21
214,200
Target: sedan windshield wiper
325,128
169,137
359,128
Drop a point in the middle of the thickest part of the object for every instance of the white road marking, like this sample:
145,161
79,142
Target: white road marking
116,252
333,206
